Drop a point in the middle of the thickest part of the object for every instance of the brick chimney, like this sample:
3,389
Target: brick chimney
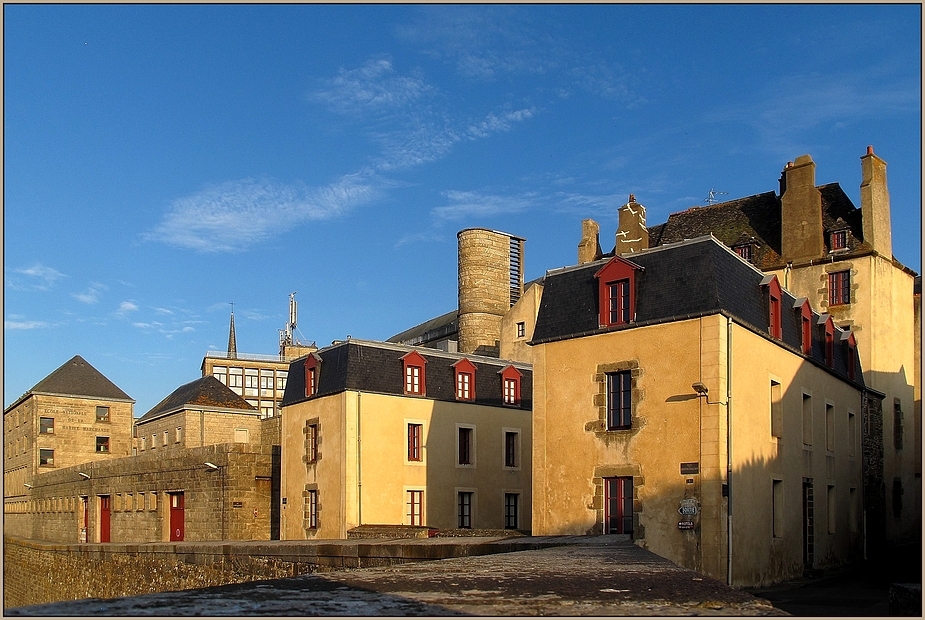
875,204
801,234
589,248
632,234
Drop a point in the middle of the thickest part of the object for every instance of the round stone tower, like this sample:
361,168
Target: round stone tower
490,282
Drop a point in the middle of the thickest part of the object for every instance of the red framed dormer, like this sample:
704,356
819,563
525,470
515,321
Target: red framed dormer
806,324
851,342
413,372
827,326
510,386
774,294
312,374
616,285
464,373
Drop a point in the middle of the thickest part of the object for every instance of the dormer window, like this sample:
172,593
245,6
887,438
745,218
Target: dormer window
510,386
465,379
413,366
312,372
806,324
744,251
775,295
828,329
839,240
848,338
617,292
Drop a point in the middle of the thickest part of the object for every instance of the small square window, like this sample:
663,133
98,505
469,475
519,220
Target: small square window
241,435
102,444
102,414
47,426
744,251
46,457
521,329
839,240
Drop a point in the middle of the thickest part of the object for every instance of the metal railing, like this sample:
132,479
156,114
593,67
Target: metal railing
250,357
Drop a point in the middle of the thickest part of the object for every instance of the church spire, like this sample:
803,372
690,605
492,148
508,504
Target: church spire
232,345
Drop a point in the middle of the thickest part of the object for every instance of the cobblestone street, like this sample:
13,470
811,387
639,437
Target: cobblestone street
596,577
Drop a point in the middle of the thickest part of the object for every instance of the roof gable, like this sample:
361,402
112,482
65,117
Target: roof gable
207,392
76,377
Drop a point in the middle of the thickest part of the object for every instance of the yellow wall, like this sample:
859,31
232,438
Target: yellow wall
882,315
525,310
373,490
672,425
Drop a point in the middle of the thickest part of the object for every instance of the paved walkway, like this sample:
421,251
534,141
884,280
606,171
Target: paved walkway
600,576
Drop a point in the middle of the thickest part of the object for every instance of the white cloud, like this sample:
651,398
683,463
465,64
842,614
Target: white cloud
474,204
494,123
7,324
237,214
91,295
38,278
374,87
127,306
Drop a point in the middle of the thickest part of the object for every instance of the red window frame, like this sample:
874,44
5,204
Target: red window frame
775,294
839,239
414,377
617,292
464,371
414,442
828,328
510,386
852,355
840,288
806,325
415,507
618,505
619,400
312,367
744,251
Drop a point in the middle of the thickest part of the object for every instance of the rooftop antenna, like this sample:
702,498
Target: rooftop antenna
287,336
712,197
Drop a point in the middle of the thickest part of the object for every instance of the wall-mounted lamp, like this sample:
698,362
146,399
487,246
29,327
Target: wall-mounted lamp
27,485
211,466
83,475
703,391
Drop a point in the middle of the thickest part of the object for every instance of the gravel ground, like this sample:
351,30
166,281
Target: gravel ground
600,578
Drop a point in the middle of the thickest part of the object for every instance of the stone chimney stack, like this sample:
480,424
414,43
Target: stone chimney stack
589,249
801,235
632,234
875,204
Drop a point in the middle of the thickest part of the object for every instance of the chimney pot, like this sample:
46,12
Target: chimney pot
632,198
870,149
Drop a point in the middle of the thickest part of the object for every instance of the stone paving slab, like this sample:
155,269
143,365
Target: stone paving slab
589,577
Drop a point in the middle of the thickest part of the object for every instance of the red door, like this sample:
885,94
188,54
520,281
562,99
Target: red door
176,516
104,518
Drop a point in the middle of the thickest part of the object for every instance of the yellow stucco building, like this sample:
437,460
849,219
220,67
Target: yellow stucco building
384,434
670,380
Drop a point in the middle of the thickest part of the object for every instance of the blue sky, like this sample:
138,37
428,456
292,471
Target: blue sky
162,161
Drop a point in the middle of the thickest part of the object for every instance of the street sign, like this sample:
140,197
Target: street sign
685,525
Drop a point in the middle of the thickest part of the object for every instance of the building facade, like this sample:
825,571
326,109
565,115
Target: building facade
683,397
383,434
74,415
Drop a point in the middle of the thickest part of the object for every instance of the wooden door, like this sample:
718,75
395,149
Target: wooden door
104,518
176,517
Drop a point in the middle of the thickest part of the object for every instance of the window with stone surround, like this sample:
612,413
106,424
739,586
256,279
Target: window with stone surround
47,426
414,442
311,441
311,509
415,507
840,288
102,414
102,444
618,396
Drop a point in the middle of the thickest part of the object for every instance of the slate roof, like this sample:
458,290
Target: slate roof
77,377
434,329
757,219
206,392
678,281
377,367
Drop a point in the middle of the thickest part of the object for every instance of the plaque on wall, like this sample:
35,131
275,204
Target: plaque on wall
690,468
